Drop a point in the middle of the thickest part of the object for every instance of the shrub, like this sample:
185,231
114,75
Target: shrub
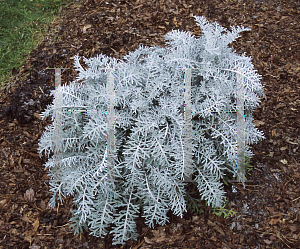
149,130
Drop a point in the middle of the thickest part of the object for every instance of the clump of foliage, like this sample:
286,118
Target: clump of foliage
149,166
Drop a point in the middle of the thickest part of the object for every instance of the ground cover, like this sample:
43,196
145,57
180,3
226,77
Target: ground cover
267,210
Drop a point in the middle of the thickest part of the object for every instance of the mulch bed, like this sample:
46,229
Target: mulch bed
267,210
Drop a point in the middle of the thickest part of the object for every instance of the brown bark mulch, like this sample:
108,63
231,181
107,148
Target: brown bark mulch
267,210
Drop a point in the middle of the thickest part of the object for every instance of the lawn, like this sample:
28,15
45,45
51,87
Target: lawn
22,25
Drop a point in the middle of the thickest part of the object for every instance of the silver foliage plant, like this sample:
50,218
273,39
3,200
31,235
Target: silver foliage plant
149,131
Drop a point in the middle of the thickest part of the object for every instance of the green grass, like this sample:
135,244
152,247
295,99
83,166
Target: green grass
22,23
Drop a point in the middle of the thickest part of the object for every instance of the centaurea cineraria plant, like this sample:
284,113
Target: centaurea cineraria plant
149,170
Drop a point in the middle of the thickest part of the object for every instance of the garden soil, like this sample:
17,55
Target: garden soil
267,210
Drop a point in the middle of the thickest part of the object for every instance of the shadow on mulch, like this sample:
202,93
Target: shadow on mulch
267,209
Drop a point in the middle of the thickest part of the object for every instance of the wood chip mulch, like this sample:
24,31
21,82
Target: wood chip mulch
267,210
